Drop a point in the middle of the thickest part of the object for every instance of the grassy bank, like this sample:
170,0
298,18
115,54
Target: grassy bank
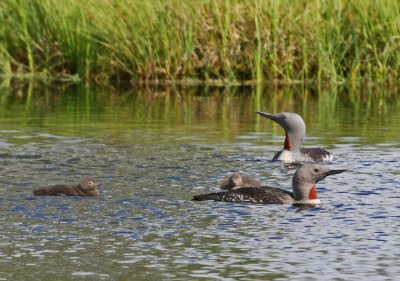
224,40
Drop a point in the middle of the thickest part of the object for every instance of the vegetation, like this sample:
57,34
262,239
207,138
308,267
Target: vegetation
230,41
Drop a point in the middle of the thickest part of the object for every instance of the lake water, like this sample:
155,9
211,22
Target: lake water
152,150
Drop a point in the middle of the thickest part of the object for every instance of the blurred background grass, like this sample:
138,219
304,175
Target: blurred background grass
207,41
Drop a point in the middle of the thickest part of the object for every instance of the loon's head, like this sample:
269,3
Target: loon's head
233,182
295,128
305,178
88,186
236,181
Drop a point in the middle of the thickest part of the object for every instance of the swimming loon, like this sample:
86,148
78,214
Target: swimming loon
86,187
295,130
303,185
236,181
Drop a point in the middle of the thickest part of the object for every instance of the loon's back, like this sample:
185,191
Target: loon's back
264,195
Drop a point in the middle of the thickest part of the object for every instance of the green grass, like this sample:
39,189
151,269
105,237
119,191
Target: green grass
228,41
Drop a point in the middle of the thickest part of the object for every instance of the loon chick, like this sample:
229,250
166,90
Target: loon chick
303,185
295,130
85,187
236,181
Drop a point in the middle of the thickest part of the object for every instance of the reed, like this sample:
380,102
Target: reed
230,41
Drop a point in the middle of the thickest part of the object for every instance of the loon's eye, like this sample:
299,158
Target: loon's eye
283,117
316,170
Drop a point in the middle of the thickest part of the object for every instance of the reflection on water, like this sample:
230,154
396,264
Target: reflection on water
227,113
152,151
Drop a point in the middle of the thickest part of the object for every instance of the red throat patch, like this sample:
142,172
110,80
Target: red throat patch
287,143
313,193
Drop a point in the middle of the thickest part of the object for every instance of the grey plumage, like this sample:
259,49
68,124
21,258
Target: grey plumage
236,181
86,187
295,131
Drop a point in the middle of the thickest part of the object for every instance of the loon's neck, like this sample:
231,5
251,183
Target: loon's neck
292,142
305,192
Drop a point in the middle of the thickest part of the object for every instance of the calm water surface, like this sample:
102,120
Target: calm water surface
153,150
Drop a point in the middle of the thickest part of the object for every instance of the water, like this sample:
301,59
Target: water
152,151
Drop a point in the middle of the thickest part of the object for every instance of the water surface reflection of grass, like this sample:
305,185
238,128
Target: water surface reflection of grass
228,112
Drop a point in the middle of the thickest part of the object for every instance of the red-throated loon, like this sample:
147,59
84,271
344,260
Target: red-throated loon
236,181
85,187
303,185
295,130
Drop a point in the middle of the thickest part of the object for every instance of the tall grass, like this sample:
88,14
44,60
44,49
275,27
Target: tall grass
230,41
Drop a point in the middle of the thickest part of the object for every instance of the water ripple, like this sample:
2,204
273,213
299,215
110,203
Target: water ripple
144,225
